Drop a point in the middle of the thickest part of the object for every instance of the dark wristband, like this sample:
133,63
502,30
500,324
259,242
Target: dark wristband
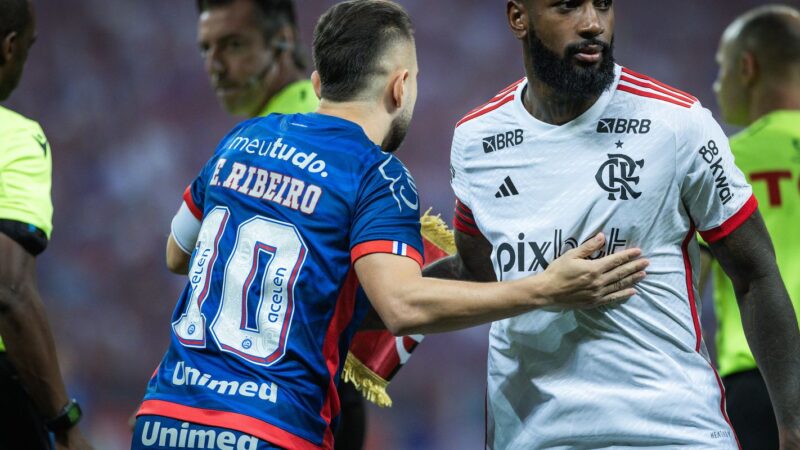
69,416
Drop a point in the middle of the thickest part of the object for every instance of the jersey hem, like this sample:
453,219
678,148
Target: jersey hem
392,247
733,223
233,421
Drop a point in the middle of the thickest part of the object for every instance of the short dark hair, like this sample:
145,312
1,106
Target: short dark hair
15,16
773,33
274,15
349,40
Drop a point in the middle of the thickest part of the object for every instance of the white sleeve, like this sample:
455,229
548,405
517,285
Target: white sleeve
185,228
713,189
458,178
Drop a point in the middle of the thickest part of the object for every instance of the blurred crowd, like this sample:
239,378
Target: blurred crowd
120,90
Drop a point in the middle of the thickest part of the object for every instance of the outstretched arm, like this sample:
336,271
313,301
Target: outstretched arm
768,318
411,304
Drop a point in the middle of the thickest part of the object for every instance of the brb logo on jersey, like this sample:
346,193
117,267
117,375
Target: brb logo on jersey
402,185
617,176
624,126
503,141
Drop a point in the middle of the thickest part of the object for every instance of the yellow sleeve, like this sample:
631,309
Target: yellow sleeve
26,176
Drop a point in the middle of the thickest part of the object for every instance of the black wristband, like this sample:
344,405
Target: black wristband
69,416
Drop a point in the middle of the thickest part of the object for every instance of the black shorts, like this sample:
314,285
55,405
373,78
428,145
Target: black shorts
21,427
750,411
353,421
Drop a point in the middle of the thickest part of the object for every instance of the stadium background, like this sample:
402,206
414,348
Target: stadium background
120,90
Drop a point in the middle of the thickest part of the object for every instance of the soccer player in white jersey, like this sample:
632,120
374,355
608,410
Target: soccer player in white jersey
583,145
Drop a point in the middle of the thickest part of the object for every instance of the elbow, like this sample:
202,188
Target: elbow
177,262
12,301
176,265
403,320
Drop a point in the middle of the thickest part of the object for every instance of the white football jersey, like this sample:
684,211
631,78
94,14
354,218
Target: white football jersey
647,165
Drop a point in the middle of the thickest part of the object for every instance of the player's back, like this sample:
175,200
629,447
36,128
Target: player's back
259,332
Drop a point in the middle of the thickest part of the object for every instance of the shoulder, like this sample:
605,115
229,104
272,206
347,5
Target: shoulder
486,118
15,124
654,93
679,111
506,95
12,120
21,135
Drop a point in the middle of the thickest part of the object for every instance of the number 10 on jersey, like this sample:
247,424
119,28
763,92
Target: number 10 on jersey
256,302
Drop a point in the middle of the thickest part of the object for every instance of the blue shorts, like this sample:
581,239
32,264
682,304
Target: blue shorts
163,433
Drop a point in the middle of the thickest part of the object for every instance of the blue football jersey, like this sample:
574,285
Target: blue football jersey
288,203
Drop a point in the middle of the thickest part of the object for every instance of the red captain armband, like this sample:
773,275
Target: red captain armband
464,221
187,197
730,225
391,247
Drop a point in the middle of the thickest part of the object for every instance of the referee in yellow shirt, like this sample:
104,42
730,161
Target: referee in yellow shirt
759,87
34,406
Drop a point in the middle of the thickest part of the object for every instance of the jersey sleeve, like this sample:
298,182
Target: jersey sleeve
713,189
386,216
25,179
463,219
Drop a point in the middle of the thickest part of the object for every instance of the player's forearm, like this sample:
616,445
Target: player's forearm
770,324
430,305
30,348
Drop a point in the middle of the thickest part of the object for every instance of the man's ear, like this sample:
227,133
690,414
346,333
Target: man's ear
8,47
748,68
398,84
517,14
284,40
316,81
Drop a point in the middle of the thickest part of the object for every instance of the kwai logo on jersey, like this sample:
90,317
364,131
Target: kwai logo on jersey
401,184
534,256
503,141
617,176
624,126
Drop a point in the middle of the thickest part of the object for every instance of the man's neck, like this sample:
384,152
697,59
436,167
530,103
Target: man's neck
284,78
548,106
779,96
365,115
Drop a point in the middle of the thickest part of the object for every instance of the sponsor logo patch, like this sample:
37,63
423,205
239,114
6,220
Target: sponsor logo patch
503,141
624,126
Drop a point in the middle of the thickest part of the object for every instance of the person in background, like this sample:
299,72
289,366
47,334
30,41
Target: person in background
36,411
759,88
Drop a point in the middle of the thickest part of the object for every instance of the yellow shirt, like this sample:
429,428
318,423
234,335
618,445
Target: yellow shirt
768,152
297,97
25,173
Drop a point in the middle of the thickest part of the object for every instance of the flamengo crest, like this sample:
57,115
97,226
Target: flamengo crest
617,177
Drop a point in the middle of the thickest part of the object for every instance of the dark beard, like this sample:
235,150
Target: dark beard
567,77
397,133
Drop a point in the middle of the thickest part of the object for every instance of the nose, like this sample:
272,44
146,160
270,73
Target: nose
591,24
214,62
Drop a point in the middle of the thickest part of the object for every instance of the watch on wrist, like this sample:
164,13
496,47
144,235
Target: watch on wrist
69,416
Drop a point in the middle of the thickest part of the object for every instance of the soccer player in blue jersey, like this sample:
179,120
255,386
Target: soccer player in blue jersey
287,221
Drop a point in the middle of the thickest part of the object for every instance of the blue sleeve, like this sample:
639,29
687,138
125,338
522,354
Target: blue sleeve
195,193
387,212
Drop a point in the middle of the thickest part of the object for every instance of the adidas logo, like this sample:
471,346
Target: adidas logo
507,189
